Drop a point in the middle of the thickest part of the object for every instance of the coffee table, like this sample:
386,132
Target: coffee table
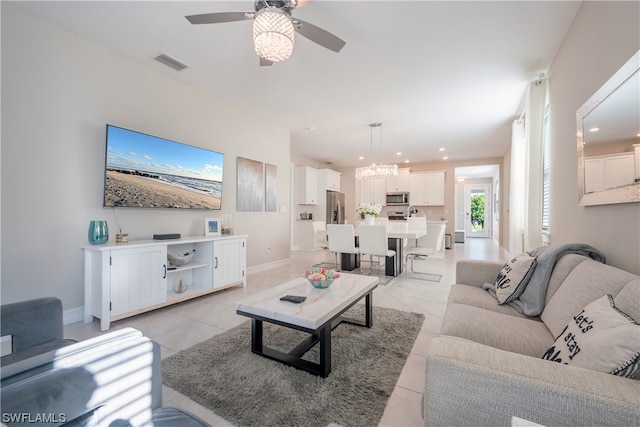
317,315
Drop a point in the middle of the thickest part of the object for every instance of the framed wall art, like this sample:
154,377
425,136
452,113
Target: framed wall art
250,195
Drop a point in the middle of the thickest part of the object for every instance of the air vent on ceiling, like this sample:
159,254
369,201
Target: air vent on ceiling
171,62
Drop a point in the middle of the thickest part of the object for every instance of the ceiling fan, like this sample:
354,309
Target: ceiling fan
273,28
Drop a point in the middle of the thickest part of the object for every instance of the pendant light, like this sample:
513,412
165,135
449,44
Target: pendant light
376,170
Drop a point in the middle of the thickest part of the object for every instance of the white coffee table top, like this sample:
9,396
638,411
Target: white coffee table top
319,307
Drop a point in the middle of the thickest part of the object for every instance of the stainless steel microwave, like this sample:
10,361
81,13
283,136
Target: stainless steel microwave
399,198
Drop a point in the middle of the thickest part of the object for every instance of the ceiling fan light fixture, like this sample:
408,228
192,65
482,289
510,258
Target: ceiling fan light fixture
273,34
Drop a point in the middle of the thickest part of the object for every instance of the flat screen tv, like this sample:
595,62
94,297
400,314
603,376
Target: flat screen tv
145,171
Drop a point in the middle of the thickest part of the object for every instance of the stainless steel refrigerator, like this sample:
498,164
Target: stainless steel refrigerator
335,207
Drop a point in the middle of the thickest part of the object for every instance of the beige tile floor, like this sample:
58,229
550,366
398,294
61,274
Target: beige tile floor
181,326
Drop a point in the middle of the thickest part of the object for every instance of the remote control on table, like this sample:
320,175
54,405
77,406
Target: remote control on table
293,298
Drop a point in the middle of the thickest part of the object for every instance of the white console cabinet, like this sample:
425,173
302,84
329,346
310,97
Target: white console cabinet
122,280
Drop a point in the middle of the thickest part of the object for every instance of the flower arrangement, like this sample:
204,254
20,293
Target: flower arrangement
369,209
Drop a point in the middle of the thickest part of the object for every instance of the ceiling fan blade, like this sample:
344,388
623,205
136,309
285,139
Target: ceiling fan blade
297,4
319,36
265,62
216,18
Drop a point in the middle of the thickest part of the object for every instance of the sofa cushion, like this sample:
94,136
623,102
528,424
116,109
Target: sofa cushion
588,281
525,336
513,277
602,338
564,266
481,298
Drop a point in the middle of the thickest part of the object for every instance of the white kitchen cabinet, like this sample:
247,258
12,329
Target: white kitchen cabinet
373,191
426,189
306,185
123,280
329,180
229,266
609,171
399,182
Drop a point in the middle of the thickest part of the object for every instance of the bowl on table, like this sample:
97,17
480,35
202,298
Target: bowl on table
320,277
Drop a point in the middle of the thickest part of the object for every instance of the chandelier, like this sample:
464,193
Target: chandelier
376,170
273,34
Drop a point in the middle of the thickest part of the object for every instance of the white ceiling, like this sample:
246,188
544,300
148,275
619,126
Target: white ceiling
436,74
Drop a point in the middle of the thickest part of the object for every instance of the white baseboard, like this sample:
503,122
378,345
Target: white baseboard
268,266
73,315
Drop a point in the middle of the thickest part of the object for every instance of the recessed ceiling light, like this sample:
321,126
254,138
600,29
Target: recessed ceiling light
398,153
441,149
594,129
445,158
406,161
361,158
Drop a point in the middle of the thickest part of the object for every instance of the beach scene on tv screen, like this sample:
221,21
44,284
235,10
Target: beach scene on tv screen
144,171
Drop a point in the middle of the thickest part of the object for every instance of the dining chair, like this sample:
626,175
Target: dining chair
374,242
417,223
320,234
341,240
422,253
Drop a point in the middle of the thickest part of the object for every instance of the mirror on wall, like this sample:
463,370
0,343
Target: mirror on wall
609,140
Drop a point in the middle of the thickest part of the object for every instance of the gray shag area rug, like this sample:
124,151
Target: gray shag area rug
245,389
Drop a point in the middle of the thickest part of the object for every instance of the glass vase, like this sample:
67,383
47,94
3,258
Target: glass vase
227,224
98,232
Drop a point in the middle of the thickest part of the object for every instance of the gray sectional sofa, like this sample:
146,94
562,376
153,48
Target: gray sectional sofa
486,366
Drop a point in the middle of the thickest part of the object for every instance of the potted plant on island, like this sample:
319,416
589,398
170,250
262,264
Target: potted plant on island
368,211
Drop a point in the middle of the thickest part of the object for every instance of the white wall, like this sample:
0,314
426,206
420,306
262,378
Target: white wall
604,36
58,92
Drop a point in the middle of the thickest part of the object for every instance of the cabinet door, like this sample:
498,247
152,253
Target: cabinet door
138,278
435,189
620,170
399,182
306,185
229,262
417,189
373,191
333,180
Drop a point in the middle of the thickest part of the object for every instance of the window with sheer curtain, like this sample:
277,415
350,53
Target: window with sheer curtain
528,180
546,133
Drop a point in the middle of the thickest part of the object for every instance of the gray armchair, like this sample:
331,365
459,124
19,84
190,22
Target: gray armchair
112,379
35,327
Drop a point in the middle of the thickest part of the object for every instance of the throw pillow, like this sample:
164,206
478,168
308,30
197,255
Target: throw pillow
513,277
602,338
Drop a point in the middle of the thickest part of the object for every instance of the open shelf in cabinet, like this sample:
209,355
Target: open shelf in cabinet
197,275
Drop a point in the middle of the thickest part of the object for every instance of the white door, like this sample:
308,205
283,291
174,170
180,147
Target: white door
477,208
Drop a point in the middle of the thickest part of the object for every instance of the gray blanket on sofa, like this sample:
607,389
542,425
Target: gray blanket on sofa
531,301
